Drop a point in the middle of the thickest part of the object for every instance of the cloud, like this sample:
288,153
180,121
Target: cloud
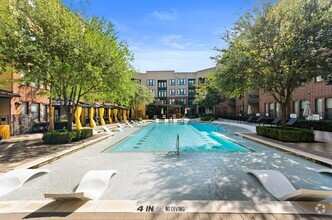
170,41
178,60
164,15
178,42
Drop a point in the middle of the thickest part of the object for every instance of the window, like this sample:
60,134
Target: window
181,81
296,107
162,84
35,112
137,80
163,101
319,106
190,102
162,93
271,109
191,92
191,82
25,108
172,82
153,91
150,82
181,101
172,101
328,104
44,112
182,91
172,92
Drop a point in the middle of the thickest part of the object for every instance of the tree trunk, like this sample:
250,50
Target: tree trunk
69,113
283,108
50,116
70,121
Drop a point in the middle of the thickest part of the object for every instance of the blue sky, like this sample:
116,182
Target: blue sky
175,35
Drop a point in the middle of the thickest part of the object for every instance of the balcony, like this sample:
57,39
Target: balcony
231,102
253,99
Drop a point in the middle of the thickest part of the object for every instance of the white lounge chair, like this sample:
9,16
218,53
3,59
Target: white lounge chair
107,130
91,187
280,187
128,124
328,171
16,178
117,129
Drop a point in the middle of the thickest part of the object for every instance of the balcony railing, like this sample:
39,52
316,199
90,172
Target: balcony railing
253,99
231,102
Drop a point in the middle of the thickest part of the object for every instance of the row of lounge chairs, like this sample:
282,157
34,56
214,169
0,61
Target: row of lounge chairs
95,182
276,120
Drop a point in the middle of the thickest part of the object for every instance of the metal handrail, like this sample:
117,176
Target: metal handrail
177,145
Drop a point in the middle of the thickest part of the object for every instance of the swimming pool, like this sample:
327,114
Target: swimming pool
161,137
199,175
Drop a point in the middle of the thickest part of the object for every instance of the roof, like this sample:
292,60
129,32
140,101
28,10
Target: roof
6,94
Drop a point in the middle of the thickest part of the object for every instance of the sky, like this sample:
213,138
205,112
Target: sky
175,35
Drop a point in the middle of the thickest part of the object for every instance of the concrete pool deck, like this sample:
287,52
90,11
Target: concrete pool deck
127,209
319,151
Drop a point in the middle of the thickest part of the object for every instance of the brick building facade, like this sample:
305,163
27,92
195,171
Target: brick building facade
24,103
317,92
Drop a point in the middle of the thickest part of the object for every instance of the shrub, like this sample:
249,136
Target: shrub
64,136
322,125
137,119
58,137
287,135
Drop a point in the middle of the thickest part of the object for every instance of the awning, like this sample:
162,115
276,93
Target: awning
6,94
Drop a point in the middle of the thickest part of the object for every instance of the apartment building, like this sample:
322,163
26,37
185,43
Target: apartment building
174,91
21,104
318,92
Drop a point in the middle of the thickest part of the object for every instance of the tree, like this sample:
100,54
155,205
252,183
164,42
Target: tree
207,95
74,56
142,96
276,48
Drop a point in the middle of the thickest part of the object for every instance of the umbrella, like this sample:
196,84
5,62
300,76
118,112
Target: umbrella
306,111
185,111
249,110
278,109
162,111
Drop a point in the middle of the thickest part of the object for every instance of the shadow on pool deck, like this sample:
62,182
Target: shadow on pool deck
25,148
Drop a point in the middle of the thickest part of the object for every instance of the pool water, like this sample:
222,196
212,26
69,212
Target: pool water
161,137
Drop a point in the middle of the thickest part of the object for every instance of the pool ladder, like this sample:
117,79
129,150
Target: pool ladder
177,145
218,129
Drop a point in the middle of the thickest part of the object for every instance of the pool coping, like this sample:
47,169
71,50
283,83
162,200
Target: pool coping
188,206
305,155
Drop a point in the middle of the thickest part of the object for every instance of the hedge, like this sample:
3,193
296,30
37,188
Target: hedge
135,119
287,135
64,136
322,125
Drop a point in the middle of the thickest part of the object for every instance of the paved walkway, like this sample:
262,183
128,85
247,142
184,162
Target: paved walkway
22,149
